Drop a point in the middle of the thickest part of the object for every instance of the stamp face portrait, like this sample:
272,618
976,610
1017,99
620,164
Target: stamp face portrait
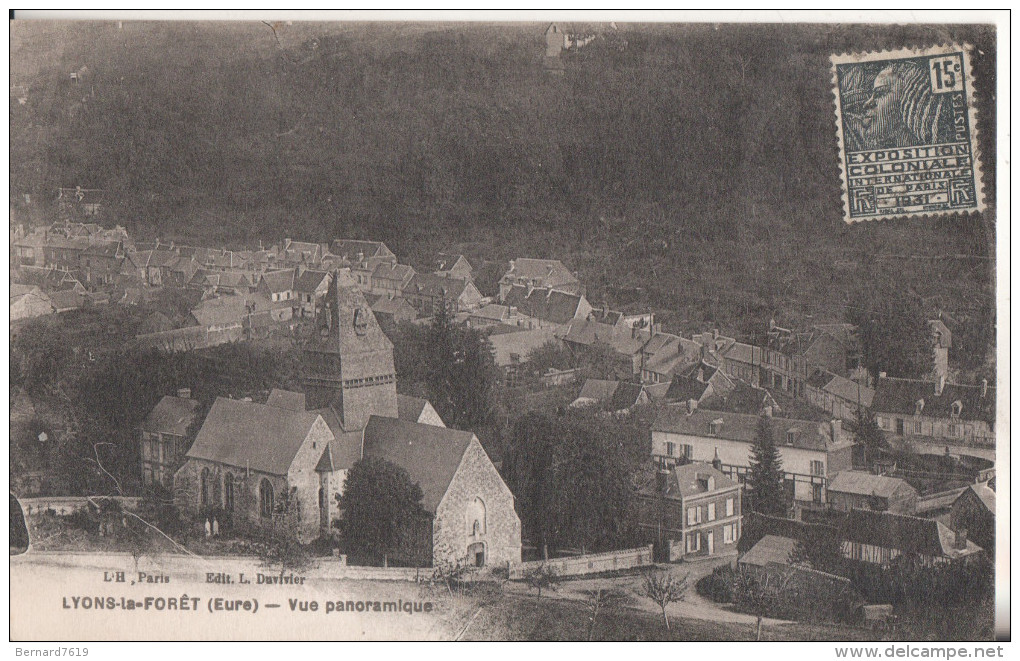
907,133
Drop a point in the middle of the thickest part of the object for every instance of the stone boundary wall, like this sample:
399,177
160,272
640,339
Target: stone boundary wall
596,563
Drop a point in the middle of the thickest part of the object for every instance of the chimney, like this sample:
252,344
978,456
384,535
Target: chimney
184,393
837,429
716,461
882,375
984,388
768,411
660,481
960,543
940,385
692,406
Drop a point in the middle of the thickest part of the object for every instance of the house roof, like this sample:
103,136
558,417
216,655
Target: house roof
862,483
388,271
248,435
770,548
430,284
546,272
279,281
552,305
850,391
392,306
492,312
908,534
691,480
985,494
286,399
743,353
348,249
410,408
67,299
621,339
519,343
893,395
808,435
743,398
430,455
447,261
613,395
172,415
227,309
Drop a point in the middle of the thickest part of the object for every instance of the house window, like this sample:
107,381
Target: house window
817,468
728,533
711,511
954,430
693,515
686,451
917,427
265,499
729,507
670,449
693,542
790,435
816,493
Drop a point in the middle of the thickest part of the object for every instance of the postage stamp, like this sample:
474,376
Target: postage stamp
907,131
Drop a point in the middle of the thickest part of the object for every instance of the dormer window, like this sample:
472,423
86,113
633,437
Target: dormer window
715,426
791,436
957,408
919,406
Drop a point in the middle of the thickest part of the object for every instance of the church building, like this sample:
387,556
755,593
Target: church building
289,457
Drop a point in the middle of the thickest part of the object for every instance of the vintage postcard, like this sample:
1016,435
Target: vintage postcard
344,328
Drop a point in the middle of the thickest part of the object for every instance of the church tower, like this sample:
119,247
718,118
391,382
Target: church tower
348,365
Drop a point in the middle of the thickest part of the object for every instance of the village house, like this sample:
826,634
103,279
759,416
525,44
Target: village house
541,306
742,398
614,397
811,452
622,336
101,262
974,511
838,395
792,357
538,273
452,266
303,253
27,250
743,361
390,279
494,314
881,537
28,302
862,490
699,382
361,257
690,511
511,351
664,354
427,291
284,461
939,412
62,252
165,435
49,279
391,311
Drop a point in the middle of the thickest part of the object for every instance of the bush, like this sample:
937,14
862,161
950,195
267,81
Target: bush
717,586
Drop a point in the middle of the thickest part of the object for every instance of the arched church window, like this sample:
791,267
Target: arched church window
205,487
265,499
228,492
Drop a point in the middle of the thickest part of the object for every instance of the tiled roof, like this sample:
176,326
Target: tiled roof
399,272
392,306
743,353
410,408
612,395
985,494
520,343
908,534
894,395
862,483
249,435
446,261
430,284
771,548
279,281
349,249
353,327
492,312
429,454
807,435
850,391
552,305
67,299
172,415
551,272
286,399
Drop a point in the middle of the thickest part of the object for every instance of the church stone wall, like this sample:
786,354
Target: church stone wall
453,533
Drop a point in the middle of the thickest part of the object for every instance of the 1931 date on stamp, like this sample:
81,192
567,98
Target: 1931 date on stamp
906,125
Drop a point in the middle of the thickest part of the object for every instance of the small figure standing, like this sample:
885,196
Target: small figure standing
215,528
208,528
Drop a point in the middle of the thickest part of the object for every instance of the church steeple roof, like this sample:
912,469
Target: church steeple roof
345,323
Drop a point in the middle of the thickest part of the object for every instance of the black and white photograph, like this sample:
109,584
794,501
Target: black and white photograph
510,326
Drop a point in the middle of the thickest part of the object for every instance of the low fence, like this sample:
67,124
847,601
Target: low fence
581,565
64,505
